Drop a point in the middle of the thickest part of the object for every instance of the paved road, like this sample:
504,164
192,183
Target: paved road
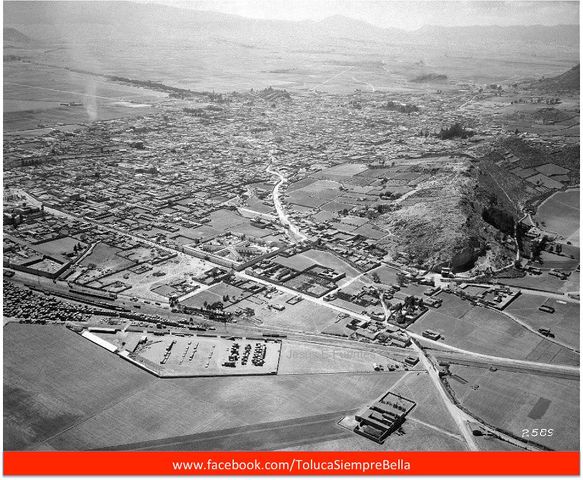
458,416
461,359
293,230
268,216
541,293
493,360
524,364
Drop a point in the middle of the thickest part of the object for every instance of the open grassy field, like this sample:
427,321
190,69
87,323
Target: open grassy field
387,275
315,194
106,257
453,305
490,332
61,246
517,401
543,281
54,379
85,397
328,259
573,283
430,409
413,436
262,436
560,213
304,316
564,323
301,357
493,444
562,262
178,407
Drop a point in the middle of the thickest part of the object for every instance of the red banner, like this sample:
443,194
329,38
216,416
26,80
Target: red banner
291,463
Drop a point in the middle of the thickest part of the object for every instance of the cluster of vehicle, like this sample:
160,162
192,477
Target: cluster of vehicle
259,354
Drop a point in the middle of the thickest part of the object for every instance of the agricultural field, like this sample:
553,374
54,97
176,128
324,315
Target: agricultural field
177,407
54,379
561,262
564,323
573,283
517,401
261,436
489,443
103,400
412,436
453,305
490,332
315,194
544,281
560,214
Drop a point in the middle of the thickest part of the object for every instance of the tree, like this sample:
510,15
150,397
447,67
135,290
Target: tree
409,303
400,279
399,317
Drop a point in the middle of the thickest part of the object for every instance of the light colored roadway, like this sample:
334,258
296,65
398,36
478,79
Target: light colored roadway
535,366
331,78
492,360
458,416
292,229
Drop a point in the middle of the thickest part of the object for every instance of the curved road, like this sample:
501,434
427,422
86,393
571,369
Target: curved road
461,418
293,231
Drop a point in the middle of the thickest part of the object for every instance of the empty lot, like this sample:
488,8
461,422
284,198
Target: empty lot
64,393
517,401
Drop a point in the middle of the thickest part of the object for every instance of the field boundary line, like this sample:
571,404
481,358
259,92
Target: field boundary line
90,416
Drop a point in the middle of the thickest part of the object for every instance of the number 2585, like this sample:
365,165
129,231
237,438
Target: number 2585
537,432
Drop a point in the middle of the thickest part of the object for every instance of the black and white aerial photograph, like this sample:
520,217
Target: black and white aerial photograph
300,225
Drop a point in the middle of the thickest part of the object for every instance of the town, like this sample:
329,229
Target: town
380,269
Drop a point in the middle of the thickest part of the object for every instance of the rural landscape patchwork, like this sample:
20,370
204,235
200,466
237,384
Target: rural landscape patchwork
233,233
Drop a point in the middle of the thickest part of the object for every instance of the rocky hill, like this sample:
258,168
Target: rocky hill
565,82
12,35
442,223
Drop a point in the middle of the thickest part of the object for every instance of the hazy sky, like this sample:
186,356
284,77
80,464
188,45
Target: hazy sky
401,14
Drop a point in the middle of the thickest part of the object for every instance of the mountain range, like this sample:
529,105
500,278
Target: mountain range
129,15
201,49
